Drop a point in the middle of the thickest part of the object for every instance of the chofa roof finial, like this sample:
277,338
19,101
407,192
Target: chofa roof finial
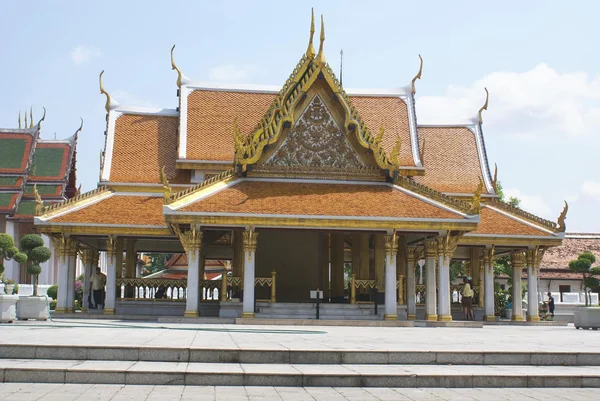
104,92
174,67
30,117
39,124
418,76
79,129
26,121
485,105
562,227
321,55
310,51
19,119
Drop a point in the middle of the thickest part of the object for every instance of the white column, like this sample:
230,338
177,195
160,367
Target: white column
517,261
111,275
46,274
430,287
391,295
193,283
532,287
411,296
63,278
11,268
444,313
89,269
489,309
72,260
250,237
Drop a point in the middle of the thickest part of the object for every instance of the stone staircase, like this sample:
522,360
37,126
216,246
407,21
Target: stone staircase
326,311
298,368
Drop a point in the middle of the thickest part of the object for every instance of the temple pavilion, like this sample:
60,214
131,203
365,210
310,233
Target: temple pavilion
33,172
279,181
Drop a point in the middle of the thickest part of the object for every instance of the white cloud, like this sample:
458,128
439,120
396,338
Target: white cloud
230,73
83,53
533,104
127,99
591,189
532,203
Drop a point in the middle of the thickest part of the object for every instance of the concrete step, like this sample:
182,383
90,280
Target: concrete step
286,356
297,375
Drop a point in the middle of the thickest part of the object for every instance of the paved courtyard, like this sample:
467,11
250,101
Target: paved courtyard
206,336
106,392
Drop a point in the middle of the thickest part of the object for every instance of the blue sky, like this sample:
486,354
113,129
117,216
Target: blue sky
538,60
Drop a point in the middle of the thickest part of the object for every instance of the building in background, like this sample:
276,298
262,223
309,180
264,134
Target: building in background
33,171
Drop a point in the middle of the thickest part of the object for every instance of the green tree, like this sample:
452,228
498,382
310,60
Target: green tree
33,246
9,251
513,200
457,269
583,265
157,262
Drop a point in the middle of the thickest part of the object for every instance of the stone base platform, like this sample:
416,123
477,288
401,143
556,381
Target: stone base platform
355,323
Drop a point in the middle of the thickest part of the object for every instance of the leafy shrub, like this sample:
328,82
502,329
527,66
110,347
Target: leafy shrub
20,258
6,242
40,254
34,270
31,241
53,304
52,291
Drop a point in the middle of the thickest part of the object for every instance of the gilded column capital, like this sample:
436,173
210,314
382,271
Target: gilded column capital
111,247
250,239
488,256
534,257
431,248
64,246
411,254
87,256
391,244
191,240
517,260
448,243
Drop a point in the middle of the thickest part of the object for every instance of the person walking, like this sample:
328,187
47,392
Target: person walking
467,298
551,305
98,282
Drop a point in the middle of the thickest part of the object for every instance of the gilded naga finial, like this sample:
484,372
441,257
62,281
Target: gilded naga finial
476,202
562,227
165,185
395,156
78,191
39,124
379,137
174,67
310,51
31,117
485,105
495,180
238,137
39,204
104,92
321,55
418,76
422,151
26,121
19,119
80,128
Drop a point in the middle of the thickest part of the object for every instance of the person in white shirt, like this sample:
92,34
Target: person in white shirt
97,283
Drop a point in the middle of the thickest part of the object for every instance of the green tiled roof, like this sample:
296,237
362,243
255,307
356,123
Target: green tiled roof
5,198
47,162
12,151
42,189
26,207
8,181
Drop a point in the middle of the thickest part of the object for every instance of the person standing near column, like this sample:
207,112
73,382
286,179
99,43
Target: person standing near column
97,288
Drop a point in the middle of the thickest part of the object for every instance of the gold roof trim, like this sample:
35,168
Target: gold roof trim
248,149
320,55
562,227
310,51
432,194
56,208
484,107
212,180
497,203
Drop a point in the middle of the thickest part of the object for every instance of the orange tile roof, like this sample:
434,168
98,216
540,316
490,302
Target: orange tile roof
210,121
211,114
496,223
451,159
259,197
392,112
571,247
144,144
118,209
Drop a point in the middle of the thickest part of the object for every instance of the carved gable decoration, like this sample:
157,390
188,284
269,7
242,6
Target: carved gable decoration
316,141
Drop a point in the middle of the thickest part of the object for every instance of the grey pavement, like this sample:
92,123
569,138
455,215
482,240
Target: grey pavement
113,392
223,336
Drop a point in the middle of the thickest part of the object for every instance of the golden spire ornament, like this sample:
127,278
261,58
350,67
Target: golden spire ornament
104,92
19,119
310,51
174,67
418,76
485,105
26,121
39,204
321,55
31,117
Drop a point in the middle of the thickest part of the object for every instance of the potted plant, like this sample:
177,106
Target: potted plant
34,307
586,317
8,301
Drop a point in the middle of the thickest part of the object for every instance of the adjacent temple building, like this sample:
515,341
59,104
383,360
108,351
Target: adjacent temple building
33,172
280,181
